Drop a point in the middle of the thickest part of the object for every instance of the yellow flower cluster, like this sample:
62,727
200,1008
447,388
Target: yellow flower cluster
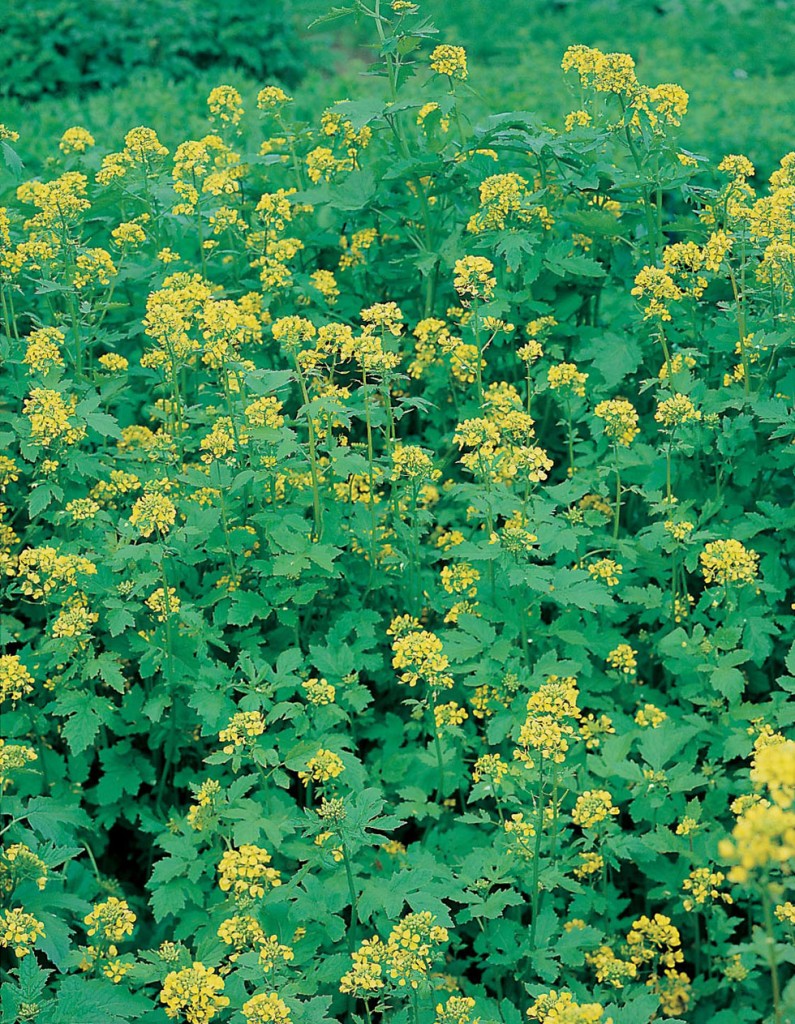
621,420
491,767
405,959
566,378
593,807
111,921
650,717
607,570
774,768
728,562
675,411
266,1008
623,659
319,691
19,931
322,767
19,863
50,418
153,512
15,680
194,993
611,969
473,278
449,60
559,1007
420,654
246,873
13,757
456,1010
703,887
243,727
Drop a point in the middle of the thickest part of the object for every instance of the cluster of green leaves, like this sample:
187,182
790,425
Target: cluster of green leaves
292,553
62,47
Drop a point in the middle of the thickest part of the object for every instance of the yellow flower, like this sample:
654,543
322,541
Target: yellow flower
621,420
225,104
19,931
246,872
450,61
606,569
491,767
567,378
243,727
272,97
319,691
420,653
449,715
623,659
592,807
266,1009
655,941
473,277
673,412
650,717
774,767
153,512
15,680
322,767
194,993
112,920
703,886
44,349
557,1008
728,562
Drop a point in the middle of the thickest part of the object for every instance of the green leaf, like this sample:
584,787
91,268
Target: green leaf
55,819
93,1000
103,424
728,681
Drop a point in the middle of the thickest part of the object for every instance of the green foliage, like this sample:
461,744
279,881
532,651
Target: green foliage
397,545
60,47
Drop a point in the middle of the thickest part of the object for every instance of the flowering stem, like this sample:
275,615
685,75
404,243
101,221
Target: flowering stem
570,438
536,857
617,515
771,953
667,354
354,900
370,468
225,525
438,748
318,509
478,366
167,615
668,490
9,320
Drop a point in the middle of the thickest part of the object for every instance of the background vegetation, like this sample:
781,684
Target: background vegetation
112,65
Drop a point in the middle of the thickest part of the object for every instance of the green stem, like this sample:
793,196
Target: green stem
771,953
617,516
317,507
536,857
438,748
354,900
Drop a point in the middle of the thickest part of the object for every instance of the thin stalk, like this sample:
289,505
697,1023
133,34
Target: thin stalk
536,858
771,954
617,516
317,506
438,748
354,900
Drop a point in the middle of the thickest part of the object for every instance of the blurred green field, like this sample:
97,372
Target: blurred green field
736,58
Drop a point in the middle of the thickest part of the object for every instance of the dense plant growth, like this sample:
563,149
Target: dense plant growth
58,47
397,528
